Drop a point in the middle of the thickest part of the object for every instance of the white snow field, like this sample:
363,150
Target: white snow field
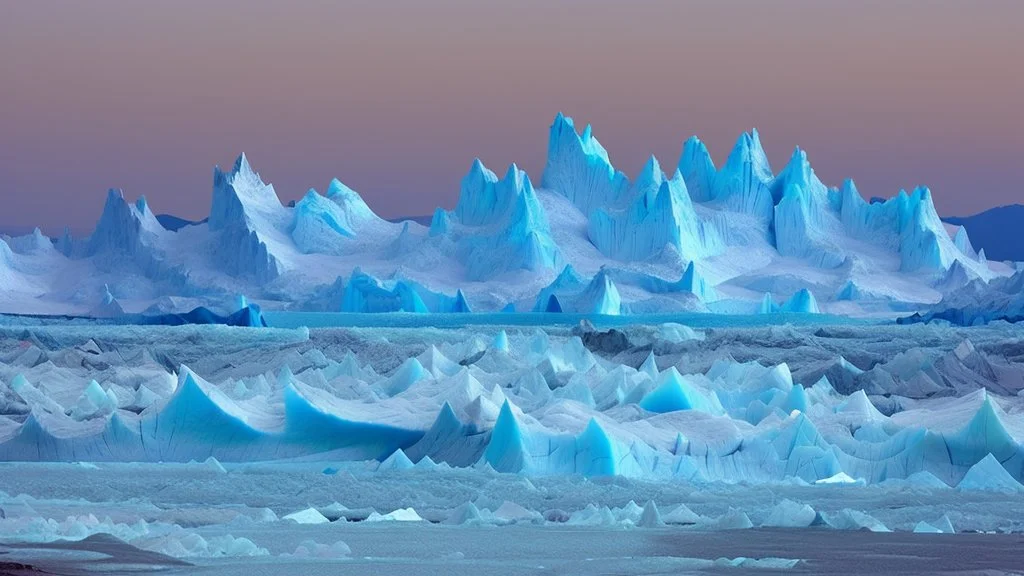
737,239
511,449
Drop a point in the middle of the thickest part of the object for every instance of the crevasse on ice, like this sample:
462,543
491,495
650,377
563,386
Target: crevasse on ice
698,169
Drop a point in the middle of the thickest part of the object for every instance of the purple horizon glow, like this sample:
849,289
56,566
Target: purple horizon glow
395,99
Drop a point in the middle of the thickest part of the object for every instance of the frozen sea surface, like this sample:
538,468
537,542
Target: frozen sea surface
281,319
650,448
210,504
532,550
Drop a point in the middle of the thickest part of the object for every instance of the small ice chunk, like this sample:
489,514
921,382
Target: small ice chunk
308,516
990,476
313,549
513,513
733,520
650,517
923,527
400,515
681,515
790,514
841,478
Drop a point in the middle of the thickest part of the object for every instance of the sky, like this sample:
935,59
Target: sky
396,98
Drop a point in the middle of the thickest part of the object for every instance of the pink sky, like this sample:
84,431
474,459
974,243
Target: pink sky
396,98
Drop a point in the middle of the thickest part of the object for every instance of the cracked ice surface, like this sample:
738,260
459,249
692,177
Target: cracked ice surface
210,443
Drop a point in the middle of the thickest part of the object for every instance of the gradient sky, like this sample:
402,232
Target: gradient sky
395,98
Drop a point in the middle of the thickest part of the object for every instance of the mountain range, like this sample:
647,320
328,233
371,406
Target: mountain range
734,238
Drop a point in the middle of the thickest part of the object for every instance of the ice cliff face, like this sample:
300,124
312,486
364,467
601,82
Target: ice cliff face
244,212
578,168
907,223
661,214
744,183
799,215
483,199
805,225
503,226
124,227
698,169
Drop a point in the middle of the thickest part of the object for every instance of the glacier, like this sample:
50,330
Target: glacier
749,231
626,362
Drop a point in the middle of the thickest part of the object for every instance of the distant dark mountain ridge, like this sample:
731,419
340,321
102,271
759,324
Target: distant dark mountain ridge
424,220
173,223
999,230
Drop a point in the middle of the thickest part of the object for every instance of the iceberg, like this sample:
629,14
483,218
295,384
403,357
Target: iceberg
906,223
675,393
484,199
600,296
978,302
364,293
790,514
989,475
963,242
307,516
35,243
108,306
802,302
440,223
95,402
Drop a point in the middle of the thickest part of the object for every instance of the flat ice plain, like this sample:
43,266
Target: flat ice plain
810,446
